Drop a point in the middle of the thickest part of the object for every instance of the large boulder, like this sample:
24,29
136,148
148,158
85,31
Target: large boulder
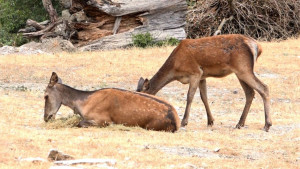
52,45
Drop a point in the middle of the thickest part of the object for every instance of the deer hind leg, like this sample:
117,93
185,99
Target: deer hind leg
160,125
263,90
194,82
203,94
249,93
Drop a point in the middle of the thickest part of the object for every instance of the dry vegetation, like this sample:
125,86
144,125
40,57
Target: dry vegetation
24,134
261,19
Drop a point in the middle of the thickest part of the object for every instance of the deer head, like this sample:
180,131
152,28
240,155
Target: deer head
53,98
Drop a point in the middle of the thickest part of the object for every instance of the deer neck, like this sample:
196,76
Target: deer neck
159,80
73,98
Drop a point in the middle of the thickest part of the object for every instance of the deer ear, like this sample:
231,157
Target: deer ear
59,80
140,85
146,84
53,80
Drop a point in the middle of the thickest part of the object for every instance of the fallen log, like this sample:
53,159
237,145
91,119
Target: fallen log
162,18
108,24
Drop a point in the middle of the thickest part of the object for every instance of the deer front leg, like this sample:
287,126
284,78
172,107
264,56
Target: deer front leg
203,94
86,123
194,82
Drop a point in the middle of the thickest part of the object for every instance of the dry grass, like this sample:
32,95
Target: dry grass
24,134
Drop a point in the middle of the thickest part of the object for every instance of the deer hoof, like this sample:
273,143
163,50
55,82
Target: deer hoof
210,123
184,123
267,127
239,126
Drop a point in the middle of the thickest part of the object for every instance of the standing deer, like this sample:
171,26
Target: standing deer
105,106
193,60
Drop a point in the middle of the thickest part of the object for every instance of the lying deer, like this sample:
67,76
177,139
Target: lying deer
106,106
193,60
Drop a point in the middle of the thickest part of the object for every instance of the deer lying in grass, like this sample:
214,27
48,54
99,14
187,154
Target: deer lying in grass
106,106
193,60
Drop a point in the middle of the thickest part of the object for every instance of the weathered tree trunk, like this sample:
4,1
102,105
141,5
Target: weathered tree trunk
51,11
162,18
108,24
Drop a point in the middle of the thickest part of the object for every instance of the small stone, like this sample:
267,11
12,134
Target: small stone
217,149
55,155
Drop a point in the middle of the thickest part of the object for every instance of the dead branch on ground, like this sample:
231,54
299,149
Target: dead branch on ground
265,20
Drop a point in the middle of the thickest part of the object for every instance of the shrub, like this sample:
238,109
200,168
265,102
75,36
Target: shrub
143,40
146,40
172,41
13,16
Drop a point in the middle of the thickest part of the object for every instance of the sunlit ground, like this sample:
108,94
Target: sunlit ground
24,133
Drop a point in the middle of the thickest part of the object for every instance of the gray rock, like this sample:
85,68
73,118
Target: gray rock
80,16
216,149
57,44
7,50
61,30
54,45
66,3
29,29
65,14
55,155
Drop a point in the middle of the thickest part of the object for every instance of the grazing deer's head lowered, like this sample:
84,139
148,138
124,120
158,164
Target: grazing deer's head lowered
53,98
105,106
193,60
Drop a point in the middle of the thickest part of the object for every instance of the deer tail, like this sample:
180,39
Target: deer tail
255,49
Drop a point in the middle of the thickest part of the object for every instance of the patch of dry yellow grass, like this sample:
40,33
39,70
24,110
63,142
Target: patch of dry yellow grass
24,134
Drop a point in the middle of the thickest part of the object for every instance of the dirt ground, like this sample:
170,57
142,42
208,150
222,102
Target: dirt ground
24,134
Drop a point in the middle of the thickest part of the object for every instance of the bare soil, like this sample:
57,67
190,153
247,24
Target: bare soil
23,79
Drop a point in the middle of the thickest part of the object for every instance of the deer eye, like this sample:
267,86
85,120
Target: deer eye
46,97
